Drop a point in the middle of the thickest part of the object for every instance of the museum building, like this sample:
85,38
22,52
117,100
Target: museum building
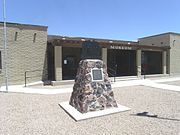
33,55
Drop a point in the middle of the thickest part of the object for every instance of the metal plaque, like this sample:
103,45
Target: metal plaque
97,75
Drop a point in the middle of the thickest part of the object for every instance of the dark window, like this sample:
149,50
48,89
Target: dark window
0,61
16,36
34,38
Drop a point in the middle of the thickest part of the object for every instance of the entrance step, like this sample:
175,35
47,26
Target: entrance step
124,78
63,82
155,76
71,82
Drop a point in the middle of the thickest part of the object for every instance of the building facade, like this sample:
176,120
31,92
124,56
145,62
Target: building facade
123,58
34,56
171,40
26,51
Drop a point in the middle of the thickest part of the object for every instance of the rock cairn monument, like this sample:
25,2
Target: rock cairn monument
92,88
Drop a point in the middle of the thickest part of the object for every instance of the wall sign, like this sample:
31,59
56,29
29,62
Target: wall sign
121,47
65,62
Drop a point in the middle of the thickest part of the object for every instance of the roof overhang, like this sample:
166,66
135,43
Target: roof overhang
105,43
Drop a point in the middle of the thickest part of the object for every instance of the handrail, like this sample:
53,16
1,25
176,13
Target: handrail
34,70
111,74
31,71
111,69
114,72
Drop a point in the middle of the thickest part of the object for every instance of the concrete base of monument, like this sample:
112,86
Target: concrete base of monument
77,116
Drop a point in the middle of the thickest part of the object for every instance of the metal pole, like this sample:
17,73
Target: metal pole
5,46
25,79
115,73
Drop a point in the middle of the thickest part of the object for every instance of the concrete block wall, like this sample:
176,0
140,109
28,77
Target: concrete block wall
24,54
159,40
175,54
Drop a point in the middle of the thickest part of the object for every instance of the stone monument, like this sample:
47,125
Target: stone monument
92,88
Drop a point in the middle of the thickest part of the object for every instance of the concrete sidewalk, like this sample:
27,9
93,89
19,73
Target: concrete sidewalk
69,88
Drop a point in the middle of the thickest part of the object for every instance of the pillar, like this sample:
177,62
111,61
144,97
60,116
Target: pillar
58,62
164,67
138,63
104,55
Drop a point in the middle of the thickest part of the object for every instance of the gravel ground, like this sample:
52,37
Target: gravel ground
177,83
34,114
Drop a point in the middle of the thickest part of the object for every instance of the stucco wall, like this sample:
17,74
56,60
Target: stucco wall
24,54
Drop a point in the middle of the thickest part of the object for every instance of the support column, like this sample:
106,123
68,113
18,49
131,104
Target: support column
104,55
138,63
58,62
164,67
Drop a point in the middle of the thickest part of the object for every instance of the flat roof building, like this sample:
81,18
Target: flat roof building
26,51
123,58
34,55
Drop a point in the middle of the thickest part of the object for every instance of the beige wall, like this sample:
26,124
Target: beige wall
104,55
58,62
156,40
159,40
172,55
138,62
23,54
175,54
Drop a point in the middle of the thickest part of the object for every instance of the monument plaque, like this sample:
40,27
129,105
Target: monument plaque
97,74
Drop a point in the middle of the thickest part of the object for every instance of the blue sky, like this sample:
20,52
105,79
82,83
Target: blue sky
111,19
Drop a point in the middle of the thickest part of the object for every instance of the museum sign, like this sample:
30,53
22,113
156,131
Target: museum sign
121,47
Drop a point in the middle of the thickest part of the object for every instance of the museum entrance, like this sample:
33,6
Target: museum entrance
123,62
70,60
151,62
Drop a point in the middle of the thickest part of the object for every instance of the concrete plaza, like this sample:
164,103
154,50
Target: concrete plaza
154,111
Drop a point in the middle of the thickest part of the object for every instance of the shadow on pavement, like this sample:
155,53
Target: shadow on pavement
146,114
